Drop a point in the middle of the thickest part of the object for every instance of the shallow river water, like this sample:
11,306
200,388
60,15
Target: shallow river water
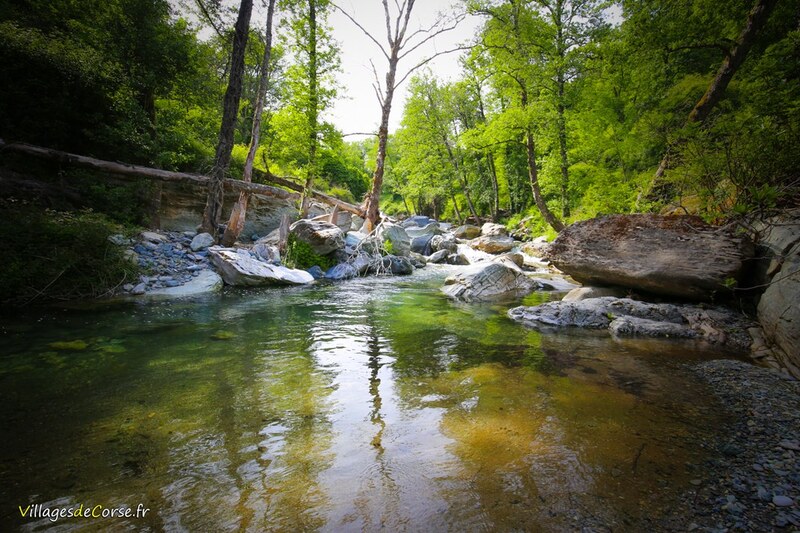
364,405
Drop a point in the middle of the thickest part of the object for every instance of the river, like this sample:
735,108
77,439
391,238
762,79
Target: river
371,404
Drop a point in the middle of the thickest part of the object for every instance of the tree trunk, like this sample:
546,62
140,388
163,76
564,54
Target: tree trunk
125,170
495,185
533,175
330,200
756,21
561,50
455,208
239,211
230,109
313,107
562,147
373,199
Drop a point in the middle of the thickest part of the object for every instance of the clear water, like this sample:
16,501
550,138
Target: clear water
365,405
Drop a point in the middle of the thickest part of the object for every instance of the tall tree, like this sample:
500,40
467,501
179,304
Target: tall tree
569,27
230,110
239,211
401,43
311,82
734,57
519,64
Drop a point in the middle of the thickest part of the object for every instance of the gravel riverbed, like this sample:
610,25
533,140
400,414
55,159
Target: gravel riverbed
753,483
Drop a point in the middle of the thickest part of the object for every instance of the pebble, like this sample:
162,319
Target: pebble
790,445
757,460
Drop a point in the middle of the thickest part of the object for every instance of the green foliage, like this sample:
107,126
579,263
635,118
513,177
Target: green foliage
300,255
53,255
85,77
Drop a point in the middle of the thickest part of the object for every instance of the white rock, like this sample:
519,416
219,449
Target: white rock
201,242
152,236
205,281
239,268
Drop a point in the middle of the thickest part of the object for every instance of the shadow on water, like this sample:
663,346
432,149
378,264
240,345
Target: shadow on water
374,403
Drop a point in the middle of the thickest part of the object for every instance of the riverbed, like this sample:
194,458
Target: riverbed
375,403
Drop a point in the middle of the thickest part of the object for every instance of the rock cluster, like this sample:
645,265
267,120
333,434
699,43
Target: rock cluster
169,256
624,317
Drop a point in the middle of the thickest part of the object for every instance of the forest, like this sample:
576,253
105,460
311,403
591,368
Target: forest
564,109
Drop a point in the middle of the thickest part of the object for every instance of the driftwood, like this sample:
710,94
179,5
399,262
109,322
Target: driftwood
139,171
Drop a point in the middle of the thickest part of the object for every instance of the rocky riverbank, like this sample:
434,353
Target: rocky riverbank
753,481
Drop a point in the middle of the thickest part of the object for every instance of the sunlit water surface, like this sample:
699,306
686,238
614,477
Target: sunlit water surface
364,405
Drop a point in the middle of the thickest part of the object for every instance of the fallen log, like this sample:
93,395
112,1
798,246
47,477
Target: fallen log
139,171
322,197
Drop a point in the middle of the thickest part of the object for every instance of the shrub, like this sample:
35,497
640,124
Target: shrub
299,254
53,255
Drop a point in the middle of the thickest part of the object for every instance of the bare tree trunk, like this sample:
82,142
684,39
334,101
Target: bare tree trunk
756,21
239,211
398,42
373,198
125,170
230,109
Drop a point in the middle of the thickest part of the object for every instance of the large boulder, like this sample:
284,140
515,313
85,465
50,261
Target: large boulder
467,231
674,256
779,306
323,237
631,318
180,208
493,244
444,242
341,271
201,241
491,229
488,281
238,267
438,257
397,236
430,229
397,265
419,221
422,244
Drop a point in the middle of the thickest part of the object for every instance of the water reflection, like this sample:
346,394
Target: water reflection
358,406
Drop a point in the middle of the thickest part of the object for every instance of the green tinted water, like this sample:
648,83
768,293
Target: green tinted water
365,405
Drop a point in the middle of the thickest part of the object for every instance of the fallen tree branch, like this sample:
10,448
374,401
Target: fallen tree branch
139,171
322,197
